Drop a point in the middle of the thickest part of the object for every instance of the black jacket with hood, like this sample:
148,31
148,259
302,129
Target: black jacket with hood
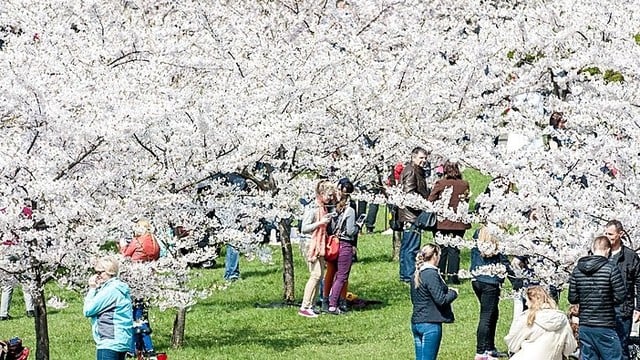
597,286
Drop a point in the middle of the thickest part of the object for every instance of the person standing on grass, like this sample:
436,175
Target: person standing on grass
485,258
108,305
345,227
315,222
450,261
413,181
627,261
431,299
344,187
542,331
597,286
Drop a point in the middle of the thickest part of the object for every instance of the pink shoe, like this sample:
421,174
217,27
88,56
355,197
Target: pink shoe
307,313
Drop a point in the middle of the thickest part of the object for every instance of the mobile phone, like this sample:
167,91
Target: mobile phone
360,220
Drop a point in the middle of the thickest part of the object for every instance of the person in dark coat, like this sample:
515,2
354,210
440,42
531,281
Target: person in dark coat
431,299
627,261
413,181
450,260
597,286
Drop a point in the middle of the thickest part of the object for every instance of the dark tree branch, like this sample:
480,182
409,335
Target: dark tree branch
123,56
80,158
146,147
128,61
237,65
372,21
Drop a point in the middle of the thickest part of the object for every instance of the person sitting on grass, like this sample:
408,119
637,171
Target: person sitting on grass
542,331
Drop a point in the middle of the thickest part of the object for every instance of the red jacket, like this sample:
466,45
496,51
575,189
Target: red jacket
142,248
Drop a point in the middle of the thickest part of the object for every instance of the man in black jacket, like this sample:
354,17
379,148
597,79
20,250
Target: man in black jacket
414,181
597,286
628,263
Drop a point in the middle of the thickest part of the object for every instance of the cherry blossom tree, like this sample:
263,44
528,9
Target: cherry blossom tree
117,110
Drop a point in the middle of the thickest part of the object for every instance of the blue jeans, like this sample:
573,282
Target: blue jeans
426,337
232,264
623,329
599,343
106,354
409,247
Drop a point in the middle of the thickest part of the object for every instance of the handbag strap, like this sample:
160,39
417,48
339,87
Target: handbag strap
341,223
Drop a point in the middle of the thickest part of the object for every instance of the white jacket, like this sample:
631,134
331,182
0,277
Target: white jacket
548,338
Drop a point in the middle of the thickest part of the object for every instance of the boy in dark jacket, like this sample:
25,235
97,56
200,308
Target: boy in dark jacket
597,286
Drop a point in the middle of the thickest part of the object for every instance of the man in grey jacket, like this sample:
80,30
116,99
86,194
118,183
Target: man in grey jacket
597,286
413,181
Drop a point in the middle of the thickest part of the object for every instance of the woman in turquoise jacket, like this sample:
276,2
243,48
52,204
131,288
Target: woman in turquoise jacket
108,304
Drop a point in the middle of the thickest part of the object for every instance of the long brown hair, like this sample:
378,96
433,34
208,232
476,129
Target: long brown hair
538,299
451,170
426,253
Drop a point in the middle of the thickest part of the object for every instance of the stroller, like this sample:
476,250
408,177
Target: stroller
13,350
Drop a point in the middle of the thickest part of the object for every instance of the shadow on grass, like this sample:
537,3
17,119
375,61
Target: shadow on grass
379,258
262,272
275,339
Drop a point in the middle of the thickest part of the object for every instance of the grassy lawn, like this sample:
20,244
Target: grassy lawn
228,325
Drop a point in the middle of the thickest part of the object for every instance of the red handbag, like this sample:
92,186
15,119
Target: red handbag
332,248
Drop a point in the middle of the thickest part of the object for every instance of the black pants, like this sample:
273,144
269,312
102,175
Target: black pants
372,214
449,264
489,296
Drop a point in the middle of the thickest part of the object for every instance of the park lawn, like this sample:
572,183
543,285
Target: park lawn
228,325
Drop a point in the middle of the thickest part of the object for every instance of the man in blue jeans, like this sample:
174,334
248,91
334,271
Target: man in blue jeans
597,286
413,181
232,264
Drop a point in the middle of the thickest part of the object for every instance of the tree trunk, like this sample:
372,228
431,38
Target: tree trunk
396,238
287,262
177,337
42,327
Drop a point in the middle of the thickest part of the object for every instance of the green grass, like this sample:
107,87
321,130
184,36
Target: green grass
228,325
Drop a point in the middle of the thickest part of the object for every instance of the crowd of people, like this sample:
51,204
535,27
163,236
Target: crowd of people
604,287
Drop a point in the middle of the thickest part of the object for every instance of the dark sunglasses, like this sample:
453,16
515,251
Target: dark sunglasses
98,272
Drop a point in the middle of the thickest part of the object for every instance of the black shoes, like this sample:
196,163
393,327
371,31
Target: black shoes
3,318
31,313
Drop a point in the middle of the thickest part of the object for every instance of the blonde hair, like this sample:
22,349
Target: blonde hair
325,187
141,227
487,243
108,264
538,299
425,255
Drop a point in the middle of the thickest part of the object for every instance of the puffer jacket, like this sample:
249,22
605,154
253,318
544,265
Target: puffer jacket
111,313
550,337
414,181
597,286
629,265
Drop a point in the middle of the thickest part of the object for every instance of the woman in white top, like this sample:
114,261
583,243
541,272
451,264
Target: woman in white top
541,332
